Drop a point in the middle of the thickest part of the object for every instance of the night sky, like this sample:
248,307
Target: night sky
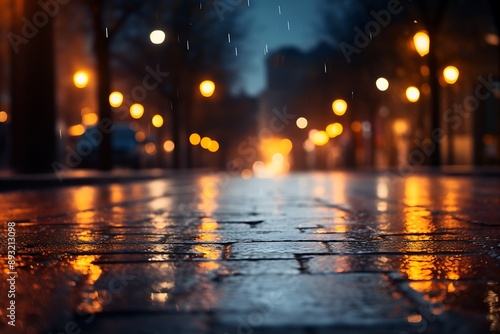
277,24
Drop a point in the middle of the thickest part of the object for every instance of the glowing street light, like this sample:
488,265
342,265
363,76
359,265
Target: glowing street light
450,74
136,110
339,107
157,121
157,36
421,41
382,84
207,88
115,99
81,79
412,94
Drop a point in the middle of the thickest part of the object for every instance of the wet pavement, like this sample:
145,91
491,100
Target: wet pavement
303,253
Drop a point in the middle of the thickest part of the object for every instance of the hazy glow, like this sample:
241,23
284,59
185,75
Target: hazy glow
301,122
76,130
286,145
320,138
339,107
246,173
205,142
207,88
136,110
412,94
150,148
3,116
400,126
194,139
333,130
157,37
81,79
157,121
168,146
140,136
450,74
356,126
382,84
421,42
90,119
115,99
213,146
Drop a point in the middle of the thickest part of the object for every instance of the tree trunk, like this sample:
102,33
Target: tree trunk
33,93
103,75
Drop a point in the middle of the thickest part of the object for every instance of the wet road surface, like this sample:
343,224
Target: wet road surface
303,253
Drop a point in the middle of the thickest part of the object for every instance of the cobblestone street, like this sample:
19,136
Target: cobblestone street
303,253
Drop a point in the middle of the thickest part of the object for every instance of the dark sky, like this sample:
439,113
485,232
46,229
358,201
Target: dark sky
276,24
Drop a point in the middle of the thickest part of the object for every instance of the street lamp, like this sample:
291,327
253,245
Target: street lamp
207,88
450,74
157,36
421,41
81,79
339,107
412,94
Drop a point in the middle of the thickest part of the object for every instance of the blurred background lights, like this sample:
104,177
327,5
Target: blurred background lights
412,94
76,130
140,137
320,138
339,107
207,88
213,146
150,148
301,122
90,119
168,146
136,110
81,79
382,84
205,142
3,116
421,42
157,36
450,74
115,99
333,130
194,139
157,121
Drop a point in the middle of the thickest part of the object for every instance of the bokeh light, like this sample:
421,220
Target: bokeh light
213,146
320,138
301,122
136,110
194,139
412,94
90,119
205,142
382,84
333,130
150,148
168,146
76,130
157,36
157,121
450,74
3,116
421,42
207,88
81,79
339,107
115,99
140,137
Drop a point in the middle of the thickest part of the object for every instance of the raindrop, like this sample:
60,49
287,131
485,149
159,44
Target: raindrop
187,45
236,51
106,32
371,36
267,50
248,3
279,10
288,24
229,38
325,67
